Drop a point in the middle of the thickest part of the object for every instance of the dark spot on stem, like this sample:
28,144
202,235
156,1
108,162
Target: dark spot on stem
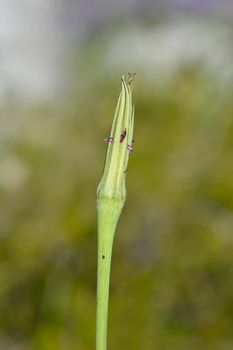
103,257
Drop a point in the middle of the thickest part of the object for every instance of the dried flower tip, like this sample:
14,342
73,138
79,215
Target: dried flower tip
128,77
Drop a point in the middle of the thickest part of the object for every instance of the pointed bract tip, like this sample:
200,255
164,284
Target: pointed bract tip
128,78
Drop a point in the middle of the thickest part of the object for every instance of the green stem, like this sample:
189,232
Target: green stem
108,212
104,265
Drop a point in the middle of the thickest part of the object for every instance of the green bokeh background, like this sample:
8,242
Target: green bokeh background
172,268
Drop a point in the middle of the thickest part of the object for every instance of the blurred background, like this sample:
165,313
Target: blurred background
172,268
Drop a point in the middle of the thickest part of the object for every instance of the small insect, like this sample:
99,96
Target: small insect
123,135
129,148
108,139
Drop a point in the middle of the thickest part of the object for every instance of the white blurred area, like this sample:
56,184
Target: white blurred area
39,37
160,52
30,51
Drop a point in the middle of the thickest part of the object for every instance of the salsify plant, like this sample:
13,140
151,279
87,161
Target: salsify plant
111,196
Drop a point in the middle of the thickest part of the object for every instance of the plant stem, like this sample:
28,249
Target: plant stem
104,265
108,211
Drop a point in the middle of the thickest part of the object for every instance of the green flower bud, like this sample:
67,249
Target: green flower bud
120,141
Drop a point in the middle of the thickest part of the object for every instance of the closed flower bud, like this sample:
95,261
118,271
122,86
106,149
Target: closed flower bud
112,185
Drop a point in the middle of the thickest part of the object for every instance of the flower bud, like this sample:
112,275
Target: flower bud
112,185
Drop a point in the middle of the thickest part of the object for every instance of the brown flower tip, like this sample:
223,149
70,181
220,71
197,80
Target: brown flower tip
128,78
